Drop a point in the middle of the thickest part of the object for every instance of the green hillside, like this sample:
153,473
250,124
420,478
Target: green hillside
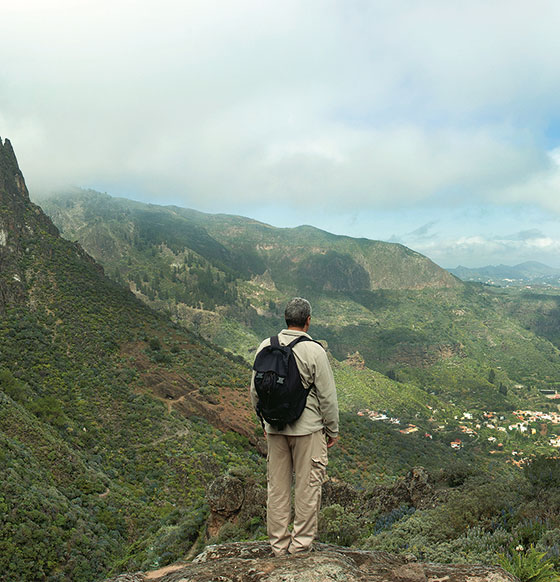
228,277
114,420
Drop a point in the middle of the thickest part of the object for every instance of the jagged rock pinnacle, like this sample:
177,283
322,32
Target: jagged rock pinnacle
11,178
23,225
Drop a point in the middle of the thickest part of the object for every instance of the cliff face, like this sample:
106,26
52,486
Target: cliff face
26,234
253,562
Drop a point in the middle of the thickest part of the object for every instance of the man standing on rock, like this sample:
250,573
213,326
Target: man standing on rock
299,447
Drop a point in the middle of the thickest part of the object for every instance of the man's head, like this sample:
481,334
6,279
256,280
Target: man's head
297,312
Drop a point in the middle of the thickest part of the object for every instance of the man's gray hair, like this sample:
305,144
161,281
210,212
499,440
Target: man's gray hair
297,311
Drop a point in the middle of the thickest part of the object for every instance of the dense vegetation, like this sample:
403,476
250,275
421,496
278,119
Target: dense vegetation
93,467
471,518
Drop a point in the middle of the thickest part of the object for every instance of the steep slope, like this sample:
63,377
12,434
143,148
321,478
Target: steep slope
19,221
326,262
108,411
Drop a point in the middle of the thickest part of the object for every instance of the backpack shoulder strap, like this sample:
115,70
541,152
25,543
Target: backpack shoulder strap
274,342
302,338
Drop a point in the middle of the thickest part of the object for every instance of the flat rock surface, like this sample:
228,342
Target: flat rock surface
253,562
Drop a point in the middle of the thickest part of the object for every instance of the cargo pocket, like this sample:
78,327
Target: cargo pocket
318,473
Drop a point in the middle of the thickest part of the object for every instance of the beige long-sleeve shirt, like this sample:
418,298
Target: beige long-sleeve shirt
321,409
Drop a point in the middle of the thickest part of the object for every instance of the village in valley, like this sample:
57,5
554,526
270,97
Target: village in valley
517,435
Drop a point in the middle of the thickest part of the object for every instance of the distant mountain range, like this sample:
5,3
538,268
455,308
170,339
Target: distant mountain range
528,273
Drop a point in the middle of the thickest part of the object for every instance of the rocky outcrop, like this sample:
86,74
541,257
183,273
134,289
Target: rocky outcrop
233,499
26,234
253,562
415,490
355,360
14,200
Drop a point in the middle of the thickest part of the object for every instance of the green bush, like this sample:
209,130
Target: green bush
155,344
161,357
14,388
338,526
543,472
48,409
529,565
476,546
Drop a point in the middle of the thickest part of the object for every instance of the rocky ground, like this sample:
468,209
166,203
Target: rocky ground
253,562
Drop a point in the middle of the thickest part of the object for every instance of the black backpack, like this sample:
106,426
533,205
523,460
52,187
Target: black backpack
282,396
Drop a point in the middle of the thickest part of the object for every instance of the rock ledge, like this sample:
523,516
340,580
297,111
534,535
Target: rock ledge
253,562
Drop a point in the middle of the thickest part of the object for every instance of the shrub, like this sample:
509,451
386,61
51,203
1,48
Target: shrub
161,357
415,533
155,344
529,566
15,389
543,472
476,546
337,526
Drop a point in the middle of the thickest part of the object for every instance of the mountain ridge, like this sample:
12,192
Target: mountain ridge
413,332
413,271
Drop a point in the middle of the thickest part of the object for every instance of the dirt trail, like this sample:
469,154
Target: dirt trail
162,571
169,402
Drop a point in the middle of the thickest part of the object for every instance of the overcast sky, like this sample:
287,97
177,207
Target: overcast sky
434,123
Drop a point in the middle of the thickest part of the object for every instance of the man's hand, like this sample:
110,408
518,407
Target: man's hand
331,441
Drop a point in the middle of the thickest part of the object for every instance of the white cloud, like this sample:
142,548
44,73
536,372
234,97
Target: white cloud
347,104
542,188
477,251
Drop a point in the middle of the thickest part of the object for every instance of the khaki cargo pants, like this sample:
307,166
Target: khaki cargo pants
306,457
